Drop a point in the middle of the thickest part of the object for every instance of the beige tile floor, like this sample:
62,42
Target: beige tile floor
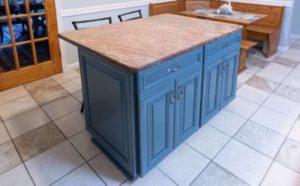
254,141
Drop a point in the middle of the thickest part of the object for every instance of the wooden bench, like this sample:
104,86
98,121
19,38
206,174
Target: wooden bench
246,45
266,30
174,7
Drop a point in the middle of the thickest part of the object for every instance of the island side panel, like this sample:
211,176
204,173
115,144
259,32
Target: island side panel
110,109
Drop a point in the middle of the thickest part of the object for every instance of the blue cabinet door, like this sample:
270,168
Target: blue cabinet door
229,77
156,126
211,89
110,109
187,112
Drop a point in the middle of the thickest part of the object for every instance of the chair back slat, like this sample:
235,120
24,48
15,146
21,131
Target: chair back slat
130,16
77,24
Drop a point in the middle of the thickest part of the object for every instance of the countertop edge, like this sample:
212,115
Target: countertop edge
135,70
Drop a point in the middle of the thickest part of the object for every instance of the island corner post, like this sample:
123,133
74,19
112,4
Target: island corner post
141,101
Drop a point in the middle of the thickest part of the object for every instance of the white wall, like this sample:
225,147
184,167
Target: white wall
70,4
295,21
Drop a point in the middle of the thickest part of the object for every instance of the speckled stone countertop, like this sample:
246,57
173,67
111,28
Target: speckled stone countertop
136,45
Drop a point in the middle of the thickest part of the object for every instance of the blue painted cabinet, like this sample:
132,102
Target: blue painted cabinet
169,113
229,76
187,116
110,114
211,88
219,82
156,131
138,118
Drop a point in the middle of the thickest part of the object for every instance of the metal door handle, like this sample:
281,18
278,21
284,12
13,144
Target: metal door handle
172,97
180,93
170,70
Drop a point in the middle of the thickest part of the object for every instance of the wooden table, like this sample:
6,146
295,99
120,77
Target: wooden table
240,18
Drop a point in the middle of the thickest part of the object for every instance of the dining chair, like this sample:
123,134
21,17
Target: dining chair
137,14
76,25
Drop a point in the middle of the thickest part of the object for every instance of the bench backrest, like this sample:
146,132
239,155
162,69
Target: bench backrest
274,13
169,7
196,4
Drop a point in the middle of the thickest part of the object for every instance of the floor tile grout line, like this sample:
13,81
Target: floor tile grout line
78,109
48,117
67,90
100,177
274,160
48,102
19,155
167,176
123,182
49,122
16,149
79,133
60,117
28,95
212,161
67,139
56,99
70,172
262,105
232,138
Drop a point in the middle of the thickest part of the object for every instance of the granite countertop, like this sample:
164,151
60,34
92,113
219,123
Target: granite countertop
138,44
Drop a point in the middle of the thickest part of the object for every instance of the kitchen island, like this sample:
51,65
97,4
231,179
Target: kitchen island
151,83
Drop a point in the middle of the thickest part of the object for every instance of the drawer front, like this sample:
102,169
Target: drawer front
222,44
168,70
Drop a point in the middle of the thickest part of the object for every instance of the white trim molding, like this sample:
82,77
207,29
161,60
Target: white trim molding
283,49
108,7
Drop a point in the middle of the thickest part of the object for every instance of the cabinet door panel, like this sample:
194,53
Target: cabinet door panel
109,107
229,78
156,130
187,106
211,91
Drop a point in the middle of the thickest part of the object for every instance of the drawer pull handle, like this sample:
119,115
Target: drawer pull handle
176,68
171,70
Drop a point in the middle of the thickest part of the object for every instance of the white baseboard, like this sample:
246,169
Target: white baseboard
71,66
108,7
283,49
